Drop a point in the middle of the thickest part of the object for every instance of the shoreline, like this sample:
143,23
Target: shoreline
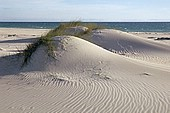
26,31
20,28
123,26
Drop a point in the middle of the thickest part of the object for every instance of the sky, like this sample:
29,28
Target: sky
84,10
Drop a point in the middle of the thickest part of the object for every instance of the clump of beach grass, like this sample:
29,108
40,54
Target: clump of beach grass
60,30
31,48
47,40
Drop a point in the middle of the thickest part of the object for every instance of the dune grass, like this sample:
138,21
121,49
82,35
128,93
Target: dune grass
31,48
59,31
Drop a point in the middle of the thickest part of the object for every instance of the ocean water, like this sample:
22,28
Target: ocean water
124,26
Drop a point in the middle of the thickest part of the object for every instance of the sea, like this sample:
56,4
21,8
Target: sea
124,26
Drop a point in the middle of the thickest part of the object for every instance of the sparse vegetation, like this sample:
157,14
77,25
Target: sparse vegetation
31,48
59,31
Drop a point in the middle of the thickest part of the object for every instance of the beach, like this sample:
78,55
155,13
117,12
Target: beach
161,37
14,39
115,72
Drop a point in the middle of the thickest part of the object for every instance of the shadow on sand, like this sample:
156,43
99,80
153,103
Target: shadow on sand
12,64
28,40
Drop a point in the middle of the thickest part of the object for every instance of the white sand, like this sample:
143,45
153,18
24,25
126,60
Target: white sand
11,44
133,46
154,35
85,78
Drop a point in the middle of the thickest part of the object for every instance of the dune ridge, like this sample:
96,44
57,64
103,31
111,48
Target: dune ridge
132,46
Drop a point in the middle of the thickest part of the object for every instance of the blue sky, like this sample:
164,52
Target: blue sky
86,10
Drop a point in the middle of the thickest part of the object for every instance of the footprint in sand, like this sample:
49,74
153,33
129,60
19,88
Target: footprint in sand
145,74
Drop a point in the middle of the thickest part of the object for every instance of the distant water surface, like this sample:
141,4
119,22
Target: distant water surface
124,26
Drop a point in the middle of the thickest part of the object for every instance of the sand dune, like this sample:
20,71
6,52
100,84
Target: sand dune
133,46
87,78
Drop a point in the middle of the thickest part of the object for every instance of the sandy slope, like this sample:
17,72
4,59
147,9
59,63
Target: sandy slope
85,78
164,36
133,46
